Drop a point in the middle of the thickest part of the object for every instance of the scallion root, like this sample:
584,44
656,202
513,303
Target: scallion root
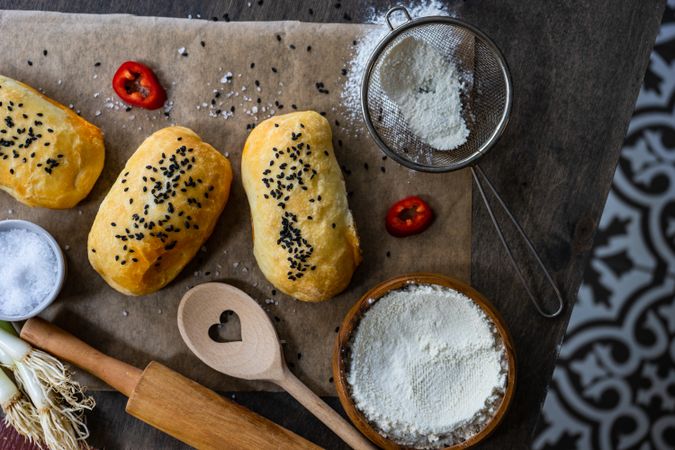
21,415
61,418
58,431
54,375
59,402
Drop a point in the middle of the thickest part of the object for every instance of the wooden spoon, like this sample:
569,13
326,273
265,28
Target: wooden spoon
258,356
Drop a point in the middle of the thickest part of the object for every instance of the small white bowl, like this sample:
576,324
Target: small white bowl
6,225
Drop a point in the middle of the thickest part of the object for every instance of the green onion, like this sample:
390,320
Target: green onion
59,401
20,414
7,327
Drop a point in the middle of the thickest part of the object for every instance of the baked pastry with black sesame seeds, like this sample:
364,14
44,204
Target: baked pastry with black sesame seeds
159,212
49,156
304,237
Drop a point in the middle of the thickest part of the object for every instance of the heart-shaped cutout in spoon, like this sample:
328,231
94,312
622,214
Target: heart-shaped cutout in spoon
228,329
258,356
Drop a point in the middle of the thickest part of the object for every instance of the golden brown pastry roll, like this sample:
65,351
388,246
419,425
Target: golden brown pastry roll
304,238
49,156
159,212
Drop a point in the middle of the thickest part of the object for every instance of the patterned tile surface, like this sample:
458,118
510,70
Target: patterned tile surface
614,385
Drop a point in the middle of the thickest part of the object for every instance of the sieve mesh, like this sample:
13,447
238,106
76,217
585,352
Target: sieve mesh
486,97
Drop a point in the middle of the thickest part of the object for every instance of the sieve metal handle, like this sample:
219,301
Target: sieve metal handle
475,171
387,16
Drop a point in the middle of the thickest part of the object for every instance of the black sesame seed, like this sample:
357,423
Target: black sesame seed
44,52
97,64
252,65
30,63
388,254
309,48
292,47
274,69
279,37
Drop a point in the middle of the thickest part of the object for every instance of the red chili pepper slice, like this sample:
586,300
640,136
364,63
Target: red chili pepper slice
137,85
412,215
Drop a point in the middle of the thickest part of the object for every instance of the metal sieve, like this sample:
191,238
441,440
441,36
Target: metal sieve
486,102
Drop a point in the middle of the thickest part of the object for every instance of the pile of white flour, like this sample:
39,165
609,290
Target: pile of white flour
426,88
427,368
363,50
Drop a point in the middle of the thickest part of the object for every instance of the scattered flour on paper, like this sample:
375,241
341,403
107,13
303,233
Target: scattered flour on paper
427,366
426,88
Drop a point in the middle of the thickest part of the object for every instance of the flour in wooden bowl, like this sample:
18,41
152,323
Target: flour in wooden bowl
428,368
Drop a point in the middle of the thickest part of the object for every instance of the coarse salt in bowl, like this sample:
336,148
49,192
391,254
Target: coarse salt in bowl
32,269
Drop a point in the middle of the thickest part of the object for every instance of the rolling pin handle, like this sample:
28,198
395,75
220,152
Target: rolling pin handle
119,375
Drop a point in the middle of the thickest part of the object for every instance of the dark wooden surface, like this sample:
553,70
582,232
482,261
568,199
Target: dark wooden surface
577,67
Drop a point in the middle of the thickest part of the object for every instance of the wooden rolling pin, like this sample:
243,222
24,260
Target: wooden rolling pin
166,399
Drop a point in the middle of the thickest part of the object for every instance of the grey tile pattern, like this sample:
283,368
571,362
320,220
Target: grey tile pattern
614,384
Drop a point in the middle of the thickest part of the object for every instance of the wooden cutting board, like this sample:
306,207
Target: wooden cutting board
72,58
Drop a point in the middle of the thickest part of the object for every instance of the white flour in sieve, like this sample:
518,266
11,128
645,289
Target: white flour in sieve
364,46
427,366
426,88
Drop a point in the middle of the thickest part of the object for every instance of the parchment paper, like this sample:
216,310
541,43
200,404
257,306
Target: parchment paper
83,52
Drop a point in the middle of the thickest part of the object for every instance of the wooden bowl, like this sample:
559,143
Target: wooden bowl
350,322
